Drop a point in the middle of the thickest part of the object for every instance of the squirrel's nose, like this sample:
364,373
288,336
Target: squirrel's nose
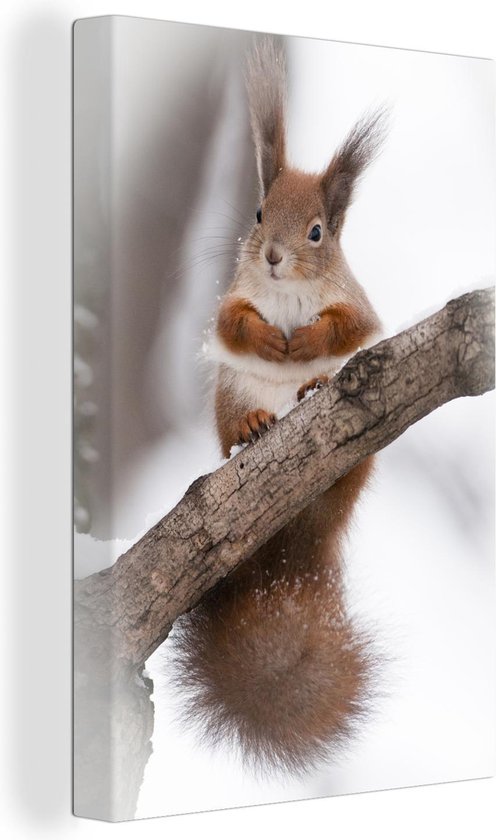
273,255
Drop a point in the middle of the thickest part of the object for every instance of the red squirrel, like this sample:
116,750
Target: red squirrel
269,659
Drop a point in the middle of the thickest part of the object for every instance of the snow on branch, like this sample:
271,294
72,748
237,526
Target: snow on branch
225,516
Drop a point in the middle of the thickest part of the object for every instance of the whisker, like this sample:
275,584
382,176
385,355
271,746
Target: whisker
215,236
197,262
236,222
242,216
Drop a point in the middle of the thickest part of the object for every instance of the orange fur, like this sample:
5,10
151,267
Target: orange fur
339,331
243,331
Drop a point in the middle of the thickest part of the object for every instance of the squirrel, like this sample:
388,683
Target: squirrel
269,659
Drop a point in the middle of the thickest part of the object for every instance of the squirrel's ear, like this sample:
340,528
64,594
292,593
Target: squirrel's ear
266,84
341,176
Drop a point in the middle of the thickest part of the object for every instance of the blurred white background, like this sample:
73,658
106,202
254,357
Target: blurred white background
175,188
36,437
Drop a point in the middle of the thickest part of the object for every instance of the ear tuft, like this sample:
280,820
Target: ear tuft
361,146
266,85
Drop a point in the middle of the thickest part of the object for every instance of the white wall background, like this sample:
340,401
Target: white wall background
37,154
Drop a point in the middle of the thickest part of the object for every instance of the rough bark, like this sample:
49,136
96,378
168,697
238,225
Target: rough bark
226,515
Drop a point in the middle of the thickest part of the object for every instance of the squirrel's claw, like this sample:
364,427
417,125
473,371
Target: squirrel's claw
254,424
311,385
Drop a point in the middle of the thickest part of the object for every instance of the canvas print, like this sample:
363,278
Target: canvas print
283,453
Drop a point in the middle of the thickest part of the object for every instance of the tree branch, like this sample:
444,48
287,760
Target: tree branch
228,514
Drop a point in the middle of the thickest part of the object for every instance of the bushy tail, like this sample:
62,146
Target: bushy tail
275,668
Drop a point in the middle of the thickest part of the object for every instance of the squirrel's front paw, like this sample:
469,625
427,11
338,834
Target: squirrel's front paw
254,424
311,385
307,343
270,343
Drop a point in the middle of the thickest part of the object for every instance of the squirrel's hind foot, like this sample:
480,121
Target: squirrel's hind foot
311,385
254,424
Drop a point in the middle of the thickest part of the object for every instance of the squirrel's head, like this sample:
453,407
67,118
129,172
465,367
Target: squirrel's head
301,215
291,238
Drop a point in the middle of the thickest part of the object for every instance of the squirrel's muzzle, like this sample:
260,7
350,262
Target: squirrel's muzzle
273,254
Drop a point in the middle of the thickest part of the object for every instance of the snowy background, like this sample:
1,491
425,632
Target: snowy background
165,185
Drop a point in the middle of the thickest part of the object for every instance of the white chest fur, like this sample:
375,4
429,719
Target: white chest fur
288,311
287,304
273,385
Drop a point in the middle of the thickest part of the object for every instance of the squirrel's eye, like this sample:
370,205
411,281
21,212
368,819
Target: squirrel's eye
315,234
259,215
